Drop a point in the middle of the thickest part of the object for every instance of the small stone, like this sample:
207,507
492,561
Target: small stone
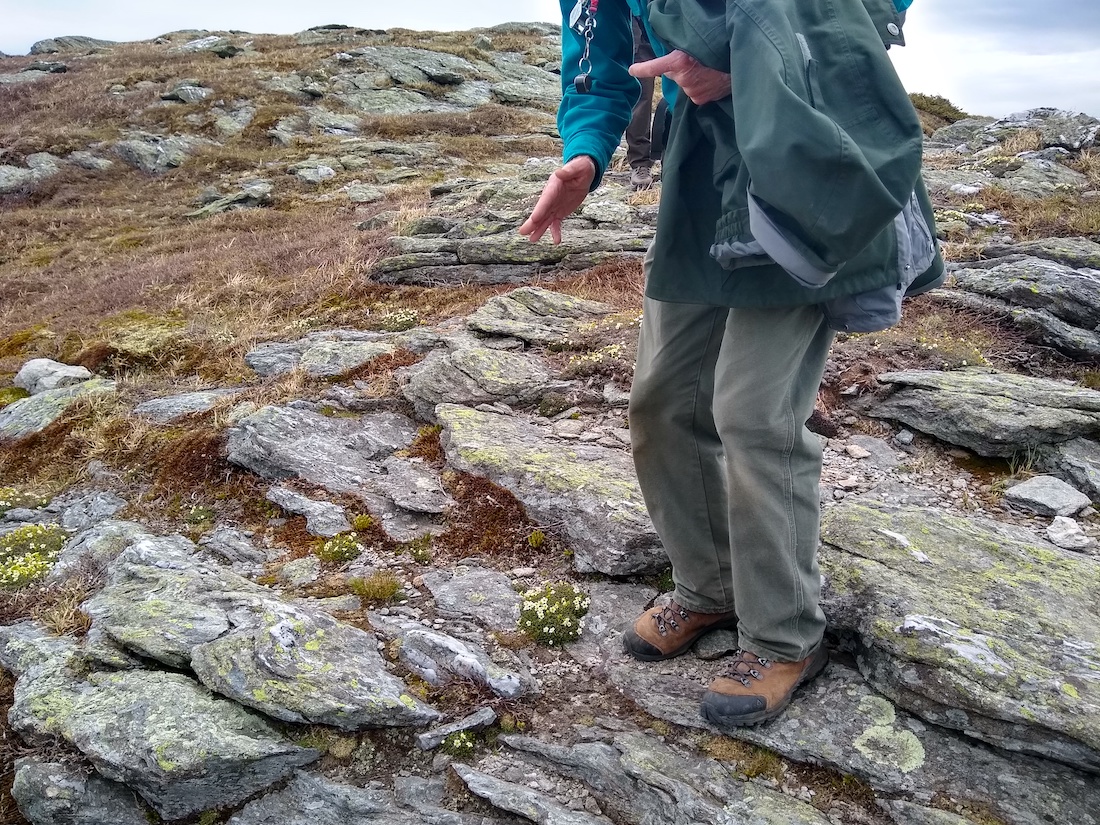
855,451
1047,496
1067,534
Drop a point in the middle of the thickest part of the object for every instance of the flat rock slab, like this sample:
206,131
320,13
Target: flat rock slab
971,624
591,491
34,414
316,800
1053,303
161,734
1078,253
536,315
332,352
52,793
472,375
439,659
1077,461
341,455
469,591
993,414
840,722
291,662
1047,496
171,408
636,779
323,518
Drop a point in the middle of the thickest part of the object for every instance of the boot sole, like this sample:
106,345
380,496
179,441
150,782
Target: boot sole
672,654
749,720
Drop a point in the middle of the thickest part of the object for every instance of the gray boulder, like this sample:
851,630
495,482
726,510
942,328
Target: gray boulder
1077,461
993,414
535,315
251,196
1056,305
174,407
34,414
156,153
639,780
41,374
323,518
69,43
474,375
60,794
467,590
161,734
971,625
291,662
1047,496
440,659
316,800
1056,127
341,455
1077,253
591,491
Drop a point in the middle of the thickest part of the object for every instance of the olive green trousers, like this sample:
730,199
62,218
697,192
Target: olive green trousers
728,470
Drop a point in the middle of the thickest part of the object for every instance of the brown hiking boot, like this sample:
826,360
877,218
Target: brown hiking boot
666,631
755,689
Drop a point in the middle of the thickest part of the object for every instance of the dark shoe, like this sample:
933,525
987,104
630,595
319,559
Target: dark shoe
665,632
755,690
641,178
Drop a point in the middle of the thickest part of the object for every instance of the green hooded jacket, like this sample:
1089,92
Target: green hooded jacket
803,186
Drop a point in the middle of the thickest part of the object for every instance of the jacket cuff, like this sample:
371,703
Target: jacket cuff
585,144
801,263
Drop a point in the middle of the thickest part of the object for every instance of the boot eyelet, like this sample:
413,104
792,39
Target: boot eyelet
755,674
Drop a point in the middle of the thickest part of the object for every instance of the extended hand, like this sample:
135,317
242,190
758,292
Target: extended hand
564,192
700,84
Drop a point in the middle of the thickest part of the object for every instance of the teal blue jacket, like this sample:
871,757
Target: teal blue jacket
593,124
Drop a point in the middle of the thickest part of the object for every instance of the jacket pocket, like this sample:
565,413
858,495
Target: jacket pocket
916,246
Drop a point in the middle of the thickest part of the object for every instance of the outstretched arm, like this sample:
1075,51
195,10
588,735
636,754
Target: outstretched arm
564,192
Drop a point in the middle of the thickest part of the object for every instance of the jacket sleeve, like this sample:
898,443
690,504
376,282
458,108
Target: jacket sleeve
827,134
593,124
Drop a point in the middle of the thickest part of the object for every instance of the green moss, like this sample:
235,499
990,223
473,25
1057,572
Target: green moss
9,395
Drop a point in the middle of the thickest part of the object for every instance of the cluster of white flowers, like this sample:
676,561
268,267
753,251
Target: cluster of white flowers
553,614
343,547
10,498
28,553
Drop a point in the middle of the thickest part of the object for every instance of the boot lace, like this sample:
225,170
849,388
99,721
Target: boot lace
669,618
746,665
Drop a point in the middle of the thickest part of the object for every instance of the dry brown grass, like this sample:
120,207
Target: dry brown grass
1025,140
1060,215
490,119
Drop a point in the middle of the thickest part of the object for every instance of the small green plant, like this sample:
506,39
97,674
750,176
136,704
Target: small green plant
27,553
377,587
362,522
459,744
554,403
536,539
420,549
554,613
11,498
200,515
340,548
399,320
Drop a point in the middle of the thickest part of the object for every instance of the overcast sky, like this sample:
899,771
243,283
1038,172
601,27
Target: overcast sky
988,56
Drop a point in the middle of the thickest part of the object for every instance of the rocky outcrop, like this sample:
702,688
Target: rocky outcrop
993,414
344,455
591,491
34,414
69,43
971,625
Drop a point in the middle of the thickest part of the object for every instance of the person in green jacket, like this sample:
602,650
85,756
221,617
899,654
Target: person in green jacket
791,207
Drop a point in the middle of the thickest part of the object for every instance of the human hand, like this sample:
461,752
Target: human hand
700,83
564,192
